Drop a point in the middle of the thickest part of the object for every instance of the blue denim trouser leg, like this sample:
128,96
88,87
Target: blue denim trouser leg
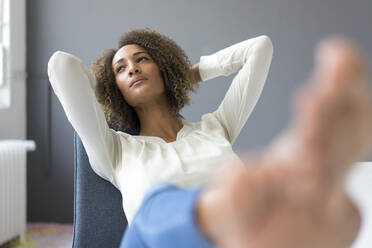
165,219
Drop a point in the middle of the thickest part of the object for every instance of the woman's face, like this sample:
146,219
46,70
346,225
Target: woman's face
137,75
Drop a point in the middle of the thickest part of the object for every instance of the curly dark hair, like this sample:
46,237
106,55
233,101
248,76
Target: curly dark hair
174,66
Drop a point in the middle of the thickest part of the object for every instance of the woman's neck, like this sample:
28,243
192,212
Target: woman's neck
158,120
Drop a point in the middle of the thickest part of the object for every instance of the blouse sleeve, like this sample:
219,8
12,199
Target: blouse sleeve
73,84
252,59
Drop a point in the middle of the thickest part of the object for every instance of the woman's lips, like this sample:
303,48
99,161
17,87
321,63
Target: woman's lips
138,82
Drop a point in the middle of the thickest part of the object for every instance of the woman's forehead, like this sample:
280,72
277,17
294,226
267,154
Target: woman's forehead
126,52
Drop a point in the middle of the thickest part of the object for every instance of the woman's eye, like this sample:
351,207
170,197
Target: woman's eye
141,58
120,68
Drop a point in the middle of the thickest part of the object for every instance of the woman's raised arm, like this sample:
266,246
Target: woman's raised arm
252,58
73,84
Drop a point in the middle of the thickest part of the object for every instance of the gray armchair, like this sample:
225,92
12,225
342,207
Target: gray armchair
99,219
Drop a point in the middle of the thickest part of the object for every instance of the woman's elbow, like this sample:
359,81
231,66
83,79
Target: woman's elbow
62,62
266,43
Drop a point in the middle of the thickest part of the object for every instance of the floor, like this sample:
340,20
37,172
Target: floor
45,235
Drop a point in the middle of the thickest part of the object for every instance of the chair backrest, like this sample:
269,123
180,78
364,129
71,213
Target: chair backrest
99,220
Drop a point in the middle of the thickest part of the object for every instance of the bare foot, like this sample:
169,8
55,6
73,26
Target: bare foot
334,118
292,195
332,125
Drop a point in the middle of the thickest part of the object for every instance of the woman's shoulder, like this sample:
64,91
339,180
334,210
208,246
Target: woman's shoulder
210,123
136,139
207,121
123,135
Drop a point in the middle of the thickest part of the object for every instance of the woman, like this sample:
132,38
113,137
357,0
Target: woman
142,86
168,148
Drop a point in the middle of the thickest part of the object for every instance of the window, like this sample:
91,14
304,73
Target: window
12,44
4,35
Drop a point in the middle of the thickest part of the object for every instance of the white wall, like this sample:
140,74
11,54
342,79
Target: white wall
13,114
359,186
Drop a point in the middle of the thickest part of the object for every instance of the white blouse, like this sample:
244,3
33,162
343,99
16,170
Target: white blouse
134,163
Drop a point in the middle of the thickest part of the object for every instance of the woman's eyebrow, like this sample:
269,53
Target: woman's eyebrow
134,54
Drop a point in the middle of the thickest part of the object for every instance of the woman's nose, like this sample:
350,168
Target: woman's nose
133,70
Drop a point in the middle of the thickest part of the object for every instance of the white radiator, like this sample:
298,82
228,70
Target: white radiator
13,188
